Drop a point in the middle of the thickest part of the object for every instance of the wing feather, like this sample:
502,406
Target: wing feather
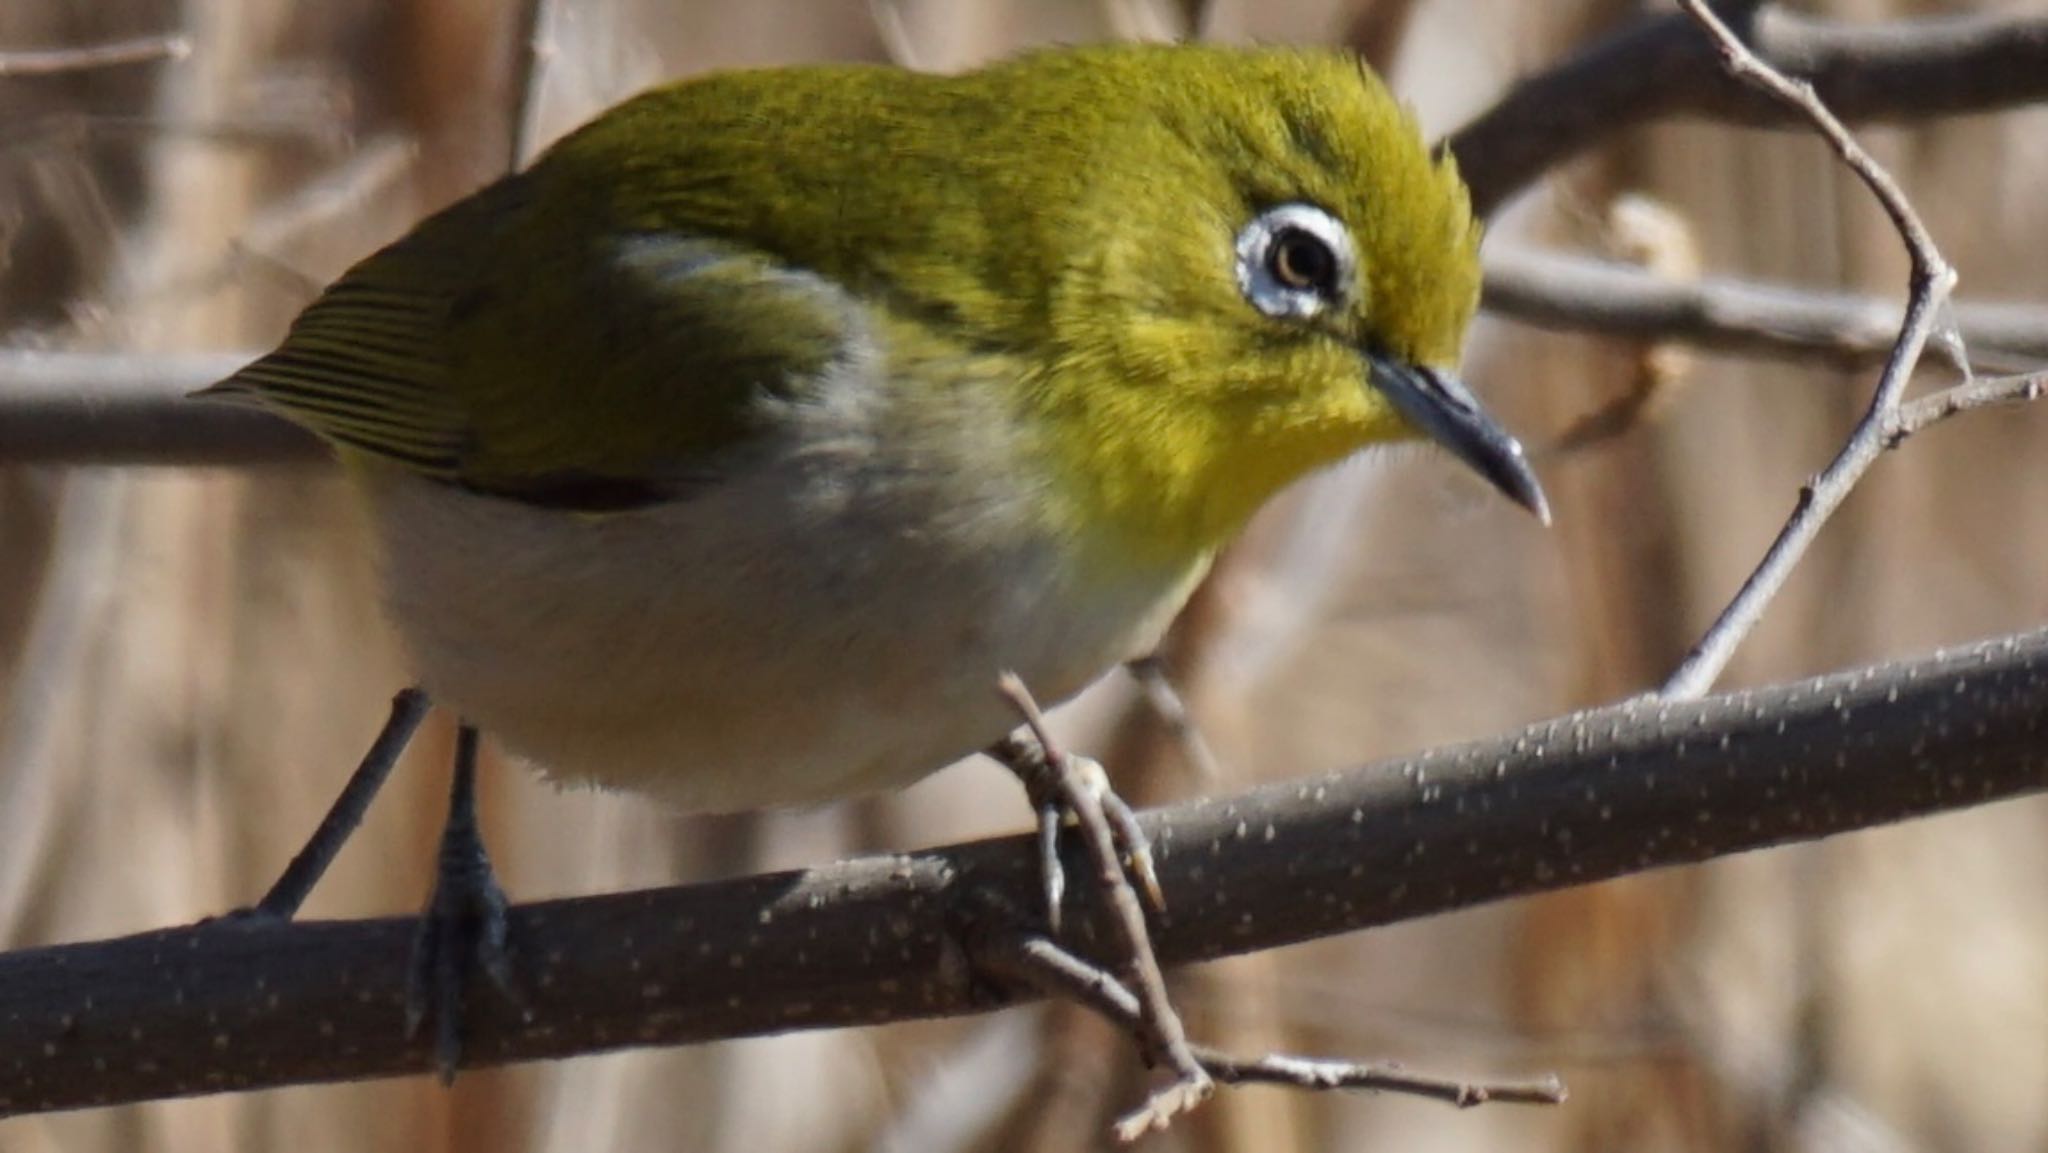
551,358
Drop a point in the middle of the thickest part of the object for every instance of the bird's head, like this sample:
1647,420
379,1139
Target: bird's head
1260,269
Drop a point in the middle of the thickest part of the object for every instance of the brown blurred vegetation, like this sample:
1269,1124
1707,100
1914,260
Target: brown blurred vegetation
192,660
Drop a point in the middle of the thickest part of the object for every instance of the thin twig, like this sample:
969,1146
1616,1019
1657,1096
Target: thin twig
1569,292
113,54
130,408
1156,1024
1930,283
1908,419
1381,1076
1043,965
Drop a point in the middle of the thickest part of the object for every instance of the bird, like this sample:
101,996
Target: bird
729,452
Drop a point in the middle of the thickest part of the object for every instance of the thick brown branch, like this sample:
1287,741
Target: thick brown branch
1662,67
1599,794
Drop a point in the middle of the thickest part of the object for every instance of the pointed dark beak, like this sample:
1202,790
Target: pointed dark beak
1442,408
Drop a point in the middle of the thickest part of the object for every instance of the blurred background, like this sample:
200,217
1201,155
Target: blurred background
192,660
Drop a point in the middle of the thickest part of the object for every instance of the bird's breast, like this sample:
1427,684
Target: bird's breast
828,620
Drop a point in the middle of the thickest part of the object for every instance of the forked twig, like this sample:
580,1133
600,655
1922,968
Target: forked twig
1044,965
1908,419
1930,283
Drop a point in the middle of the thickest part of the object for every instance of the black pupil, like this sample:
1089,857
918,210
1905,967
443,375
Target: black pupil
1301,261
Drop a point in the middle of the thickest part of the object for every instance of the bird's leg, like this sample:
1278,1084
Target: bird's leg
464,924
282,902
1052,778
1058,783
1063,788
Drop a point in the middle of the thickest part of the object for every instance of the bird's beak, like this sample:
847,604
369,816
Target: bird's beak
1441,407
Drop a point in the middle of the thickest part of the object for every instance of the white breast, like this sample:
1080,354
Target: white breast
827,621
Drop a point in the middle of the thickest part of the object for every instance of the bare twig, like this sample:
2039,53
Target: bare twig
1660,67
1382,1077
1156,1024
1908,419
1599,794
130,408
1572,293
113,54
1043,965
1930,281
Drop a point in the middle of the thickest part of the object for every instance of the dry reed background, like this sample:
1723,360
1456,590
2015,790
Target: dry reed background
191,660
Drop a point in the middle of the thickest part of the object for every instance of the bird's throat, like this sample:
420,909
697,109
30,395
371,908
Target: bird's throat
1153,487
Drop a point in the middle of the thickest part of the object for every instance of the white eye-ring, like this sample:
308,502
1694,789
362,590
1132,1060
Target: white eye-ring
1294,261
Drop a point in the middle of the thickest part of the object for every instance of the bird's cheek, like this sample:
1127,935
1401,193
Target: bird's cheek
1341,400
1376,419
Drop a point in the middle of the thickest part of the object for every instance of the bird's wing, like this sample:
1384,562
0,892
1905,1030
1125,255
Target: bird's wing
558,362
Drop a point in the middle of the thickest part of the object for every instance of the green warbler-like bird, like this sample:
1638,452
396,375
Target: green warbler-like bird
732,450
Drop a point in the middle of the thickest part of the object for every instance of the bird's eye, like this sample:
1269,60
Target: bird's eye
1298,260
1295,261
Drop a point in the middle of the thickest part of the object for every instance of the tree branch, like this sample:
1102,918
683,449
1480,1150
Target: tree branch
1572,293
131,408
1928,286
244,1005
1910,419
1906,70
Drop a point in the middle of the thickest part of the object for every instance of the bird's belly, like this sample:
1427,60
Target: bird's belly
727,653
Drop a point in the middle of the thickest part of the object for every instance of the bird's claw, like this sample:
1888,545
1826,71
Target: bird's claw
1051,873
462,929
1136,848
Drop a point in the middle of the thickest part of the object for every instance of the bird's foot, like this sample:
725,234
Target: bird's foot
1068,791
464,927
462,930
1063,786
1057,784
